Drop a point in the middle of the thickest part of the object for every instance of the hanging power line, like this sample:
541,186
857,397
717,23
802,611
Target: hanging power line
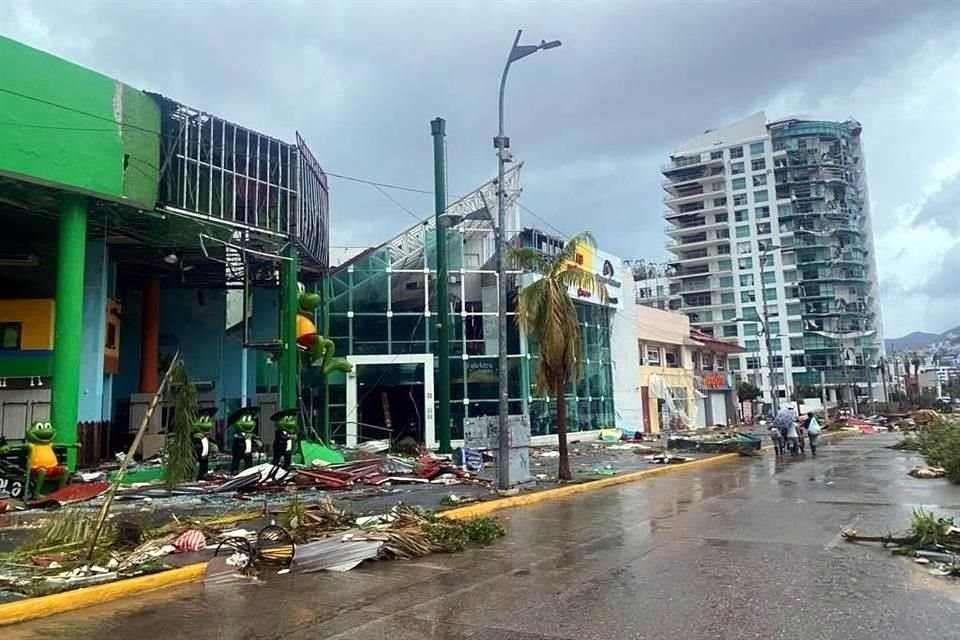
397,202
374,183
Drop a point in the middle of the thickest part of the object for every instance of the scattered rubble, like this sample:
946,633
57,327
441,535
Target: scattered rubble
927,472
931,540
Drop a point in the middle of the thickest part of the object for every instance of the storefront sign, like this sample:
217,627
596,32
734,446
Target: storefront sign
715,381
482,371
605,267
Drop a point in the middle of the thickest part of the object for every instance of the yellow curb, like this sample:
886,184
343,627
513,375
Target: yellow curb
43,606
483,508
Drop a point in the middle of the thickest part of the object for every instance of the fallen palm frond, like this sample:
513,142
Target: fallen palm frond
931,539
179,452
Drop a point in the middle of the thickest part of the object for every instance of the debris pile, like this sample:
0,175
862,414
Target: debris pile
714,442
930,540
59,560
939,443
927,472
301,537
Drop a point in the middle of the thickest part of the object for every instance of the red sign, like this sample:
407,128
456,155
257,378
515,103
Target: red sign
715,381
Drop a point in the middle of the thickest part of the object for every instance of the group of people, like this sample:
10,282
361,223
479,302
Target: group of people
790,435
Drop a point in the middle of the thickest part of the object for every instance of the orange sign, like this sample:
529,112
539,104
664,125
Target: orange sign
715,380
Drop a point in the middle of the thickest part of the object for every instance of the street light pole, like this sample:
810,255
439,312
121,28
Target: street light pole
502,144
774,392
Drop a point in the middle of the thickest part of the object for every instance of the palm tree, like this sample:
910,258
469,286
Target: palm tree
545,312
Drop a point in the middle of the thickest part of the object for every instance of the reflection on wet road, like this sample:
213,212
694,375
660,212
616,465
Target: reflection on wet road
741,550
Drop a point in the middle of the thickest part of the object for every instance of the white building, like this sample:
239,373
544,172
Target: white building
652,292
769,224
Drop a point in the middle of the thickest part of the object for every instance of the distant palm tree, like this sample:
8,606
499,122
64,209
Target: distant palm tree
546,313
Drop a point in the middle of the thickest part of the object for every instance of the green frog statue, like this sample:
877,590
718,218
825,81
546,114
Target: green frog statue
42,462
245,441
203,446
317,347
284,437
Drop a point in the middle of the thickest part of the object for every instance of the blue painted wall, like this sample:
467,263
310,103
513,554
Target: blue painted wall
94,384
193,321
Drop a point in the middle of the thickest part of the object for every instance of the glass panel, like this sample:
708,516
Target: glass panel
340,284
482,382
370,291
407,292
340,330
457,412
370,335
408,333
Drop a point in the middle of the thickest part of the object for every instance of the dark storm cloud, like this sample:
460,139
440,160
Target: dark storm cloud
593,119
942,208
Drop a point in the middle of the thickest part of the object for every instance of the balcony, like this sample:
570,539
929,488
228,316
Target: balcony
691,195
695,225
696,286
692,271
692,177
705,241
689,162
704,208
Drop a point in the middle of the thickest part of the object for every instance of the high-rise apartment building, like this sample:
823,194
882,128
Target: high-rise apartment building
769,227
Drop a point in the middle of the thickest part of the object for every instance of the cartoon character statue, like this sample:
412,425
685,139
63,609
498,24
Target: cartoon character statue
42,462
202,427
317,346
284,437
245,441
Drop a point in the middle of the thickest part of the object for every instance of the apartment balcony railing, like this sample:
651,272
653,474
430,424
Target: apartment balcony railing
691,161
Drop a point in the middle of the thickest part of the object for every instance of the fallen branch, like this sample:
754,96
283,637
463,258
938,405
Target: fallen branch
851,535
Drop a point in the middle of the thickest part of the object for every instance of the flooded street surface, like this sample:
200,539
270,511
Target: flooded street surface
749,549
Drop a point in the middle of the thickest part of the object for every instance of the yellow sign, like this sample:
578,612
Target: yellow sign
602,265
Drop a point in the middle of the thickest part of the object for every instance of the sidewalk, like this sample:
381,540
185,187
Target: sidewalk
589,461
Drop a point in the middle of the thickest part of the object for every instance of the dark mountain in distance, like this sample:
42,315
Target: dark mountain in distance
919,340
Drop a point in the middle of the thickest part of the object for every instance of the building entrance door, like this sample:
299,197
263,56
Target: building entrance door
390,396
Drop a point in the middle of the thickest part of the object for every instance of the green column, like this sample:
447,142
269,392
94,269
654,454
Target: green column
68,322
289,294
442,386
325,289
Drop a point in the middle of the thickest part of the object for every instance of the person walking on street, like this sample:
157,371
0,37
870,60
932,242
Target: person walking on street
786,423
793,438
801,432
813,432
778,442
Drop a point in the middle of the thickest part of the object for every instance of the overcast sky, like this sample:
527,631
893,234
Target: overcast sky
593,120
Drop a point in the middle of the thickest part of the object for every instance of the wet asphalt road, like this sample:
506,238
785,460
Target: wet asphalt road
749,549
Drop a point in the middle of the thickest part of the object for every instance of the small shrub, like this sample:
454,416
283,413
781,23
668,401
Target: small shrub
940,444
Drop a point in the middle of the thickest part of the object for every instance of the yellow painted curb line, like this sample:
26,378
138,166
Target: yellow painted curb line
43,606
483,508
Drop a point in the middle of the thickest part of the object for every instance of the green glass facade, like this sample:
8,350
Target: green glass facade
384,306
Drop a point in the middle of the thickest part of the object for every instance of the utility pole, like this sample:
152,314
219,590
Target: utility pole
289,295
502,144
325,290
882,370
438,129
774,386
